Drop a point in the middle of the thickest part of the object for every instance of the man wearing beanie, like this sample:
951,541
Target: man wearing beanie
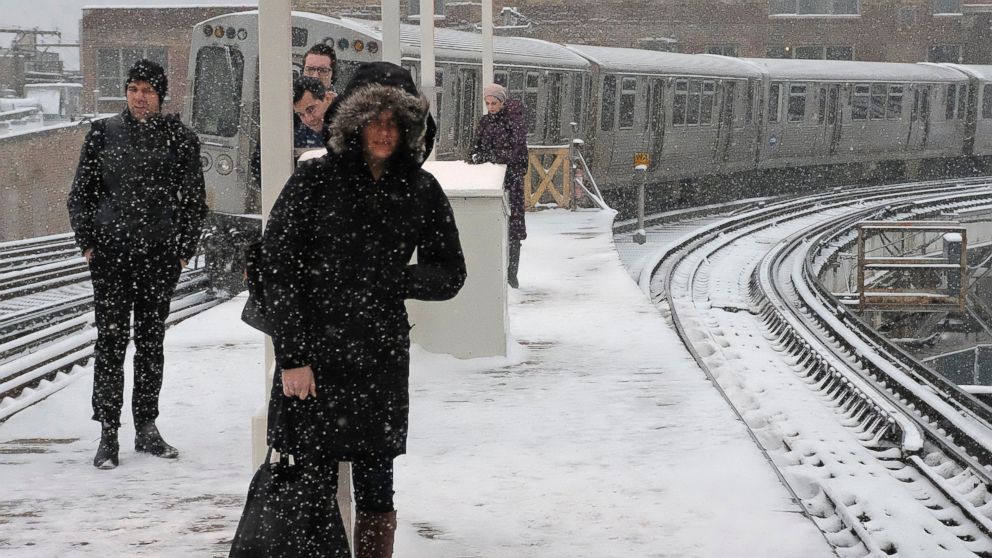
136,206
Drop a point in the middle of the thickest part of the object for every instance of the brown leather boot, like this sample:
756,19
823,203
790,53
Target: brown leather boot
374,534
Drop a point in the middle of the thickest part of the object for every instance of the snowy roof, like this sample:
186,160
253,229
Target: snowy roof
846,70
650,61
982,72
450,44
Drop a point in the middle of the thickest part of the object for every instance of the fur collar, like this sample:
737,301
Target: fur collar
362,105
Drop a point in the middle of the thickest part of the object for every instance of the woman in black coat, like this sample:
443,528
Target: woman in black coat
502,138
336,254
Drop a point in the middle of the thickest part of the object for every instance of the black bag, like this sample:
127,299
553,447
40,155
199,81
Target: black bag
254,313
291,512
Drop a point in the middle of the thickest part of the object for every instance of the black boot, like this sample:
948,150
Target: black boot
106,454
147,439
513,257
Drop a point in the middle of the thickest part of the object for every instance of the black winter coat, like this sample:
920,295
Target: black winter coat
139,184
336,254
502,138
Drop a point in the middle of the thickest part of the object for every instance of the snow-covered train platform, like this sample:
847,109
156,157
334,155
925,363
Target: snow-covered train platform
597,437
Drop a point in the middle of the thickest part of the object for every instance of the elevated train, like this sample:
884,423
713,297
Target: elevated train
700,117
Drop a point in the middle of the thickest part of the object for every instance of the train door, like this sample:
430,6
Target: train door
552,104
467,111
919,119
828,117
725,123
656,120
606,131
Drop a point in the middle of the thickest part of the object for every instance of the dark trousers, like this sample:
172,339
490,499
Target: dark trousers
126,281
373,480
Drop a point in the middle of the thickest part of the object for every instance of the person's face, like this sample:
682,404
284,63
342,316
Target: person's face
315,65
493,105
380,138
311,111
142,100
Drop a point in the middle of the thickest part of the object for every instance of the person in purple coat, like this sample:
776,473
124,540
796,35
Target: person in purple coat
502,138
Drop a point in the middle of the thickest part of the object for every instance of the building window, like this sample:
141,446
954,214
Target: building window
944,53
724,50
778,52
813,7
840,53
947,6
812,52
628,93
113,64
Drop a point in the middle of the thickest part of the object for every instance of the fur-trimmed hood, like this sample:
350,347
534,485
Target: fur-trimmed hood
365,103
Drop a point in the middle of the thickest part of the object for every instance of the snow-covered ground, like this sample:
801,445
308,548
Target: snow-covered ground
597,437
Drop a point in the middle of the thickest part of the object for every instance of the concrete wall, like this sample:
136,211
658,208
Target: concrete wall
36,171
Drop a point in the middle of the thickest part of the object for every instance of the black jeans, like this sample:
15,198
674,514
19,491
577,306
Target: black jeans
126,280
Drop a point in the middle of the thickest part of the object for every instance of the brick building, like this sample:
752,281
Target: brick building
112,39
877,30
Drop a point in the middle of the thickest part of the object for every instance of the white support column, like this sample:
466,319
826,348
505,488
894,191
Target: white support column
428,81
276,125
391,31
487,46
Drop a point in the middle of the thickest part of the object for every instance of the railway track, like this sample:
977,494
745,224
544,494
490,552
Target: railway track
886,457
47,325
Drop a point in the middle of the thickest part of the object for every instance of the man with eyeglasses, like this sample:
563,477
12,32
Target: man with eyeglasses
320,62
310,101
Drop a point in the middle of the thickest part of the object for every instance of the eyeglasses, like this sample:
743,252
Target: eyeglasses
316,70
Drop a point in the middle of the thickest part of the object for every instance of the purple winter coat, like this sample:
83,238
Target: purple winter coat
502,138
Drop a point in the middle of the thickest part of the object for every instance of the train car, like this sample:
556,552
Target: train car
224,106
820,112
693,114
978,135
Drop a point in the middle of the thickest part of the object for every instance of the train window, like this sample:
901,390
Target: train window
439,94
821,110
217,85
797,103
657,105
893,108
878,94
554,92
962,101
530,100
952,91
692,112
299,37
774,93
517,81
609,102
706,105
628,93
749,103
680,102
987,101
860,102
501,78
577,99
